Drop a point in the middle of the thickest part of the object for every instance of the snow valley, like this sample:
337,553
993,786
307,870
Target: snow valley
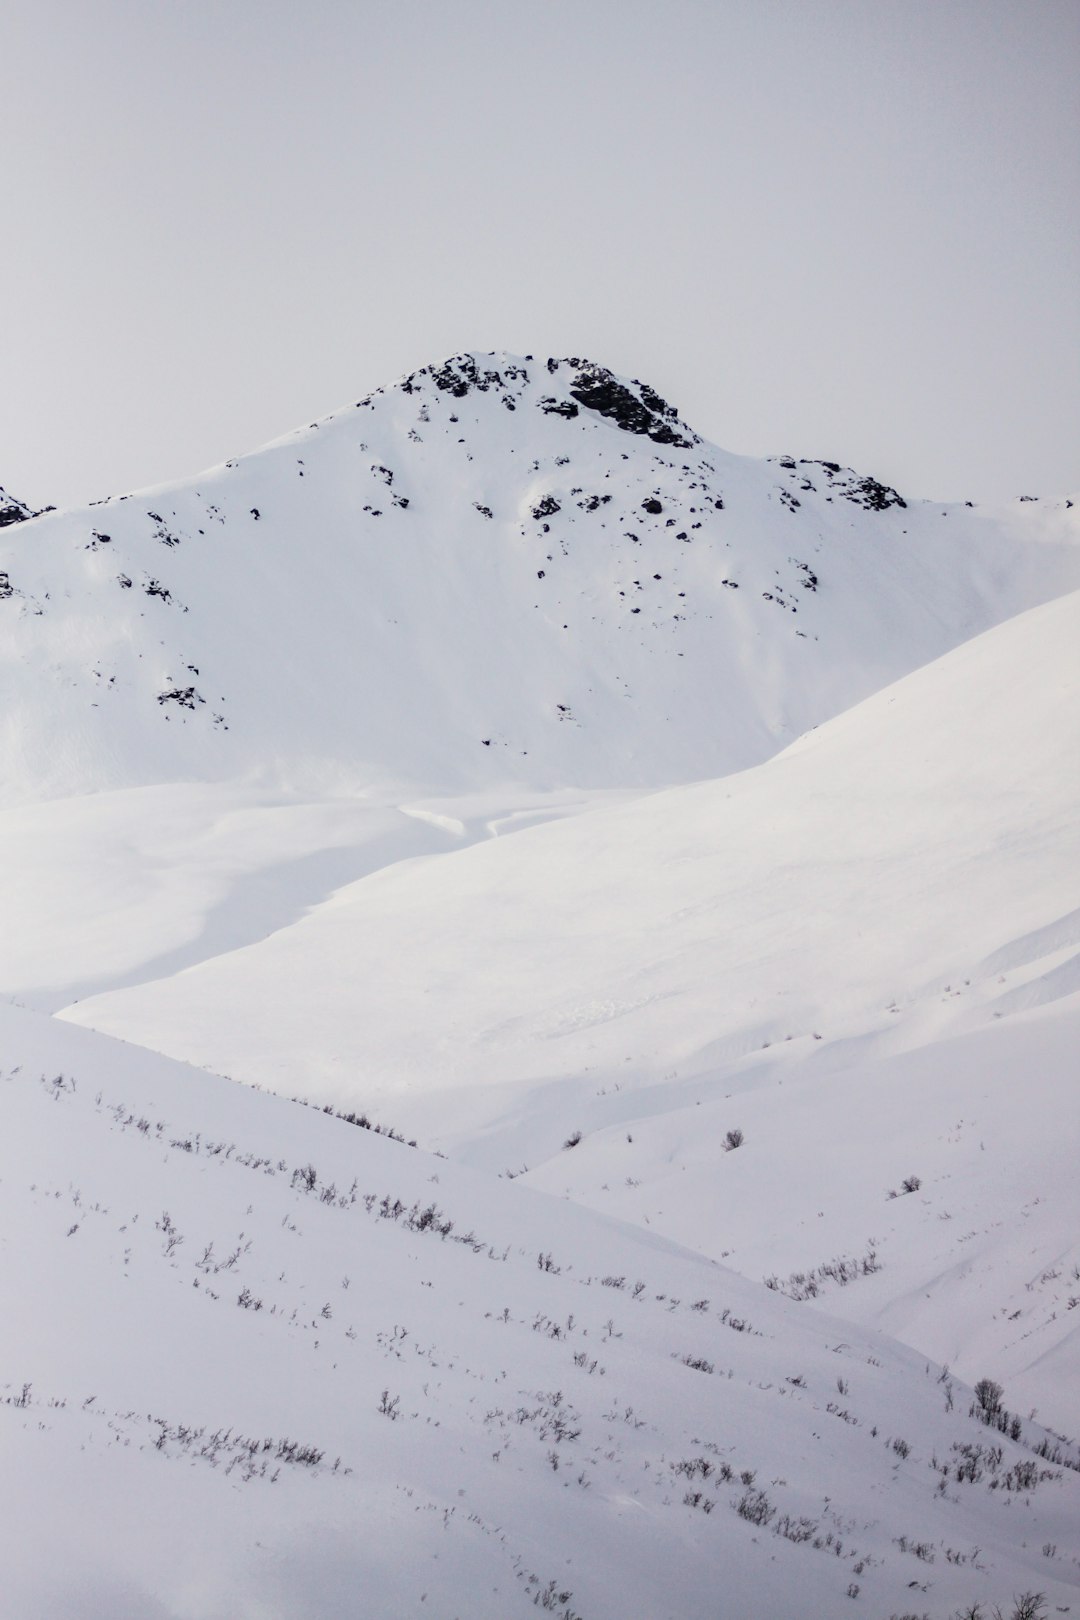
541,966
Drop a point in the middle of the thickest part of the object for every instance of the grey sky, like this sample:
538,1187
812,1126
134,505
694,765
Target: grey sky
844,228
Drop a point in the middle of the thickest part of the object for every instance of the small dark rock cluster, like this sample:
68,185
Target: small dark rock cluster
185,697
599,390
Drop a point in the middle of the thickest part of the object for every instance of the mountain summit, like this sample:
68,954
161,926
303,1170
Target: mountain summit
497,569
11,510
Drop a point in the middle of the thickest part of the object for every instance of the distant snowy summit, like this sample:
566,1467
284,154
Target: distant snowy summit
11,510
499,568
632,406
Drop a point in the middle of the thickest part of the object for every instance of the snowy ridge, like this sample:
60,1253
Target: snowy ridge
498,570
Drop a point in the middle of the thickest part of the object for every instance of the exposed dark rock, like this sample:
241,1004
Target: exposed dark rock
461,373
651,504
545,507
868,493
865,492
455,381
652,401
185,696
558,407
598,390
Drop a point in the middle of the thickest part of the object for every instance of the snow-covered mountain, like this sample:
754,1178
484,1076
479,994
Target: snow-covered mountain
783,952
680,851
498,570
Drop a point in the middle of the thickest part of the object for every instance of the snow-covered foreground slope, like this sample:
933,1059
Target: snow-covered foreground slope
841,953
498,570
259,1362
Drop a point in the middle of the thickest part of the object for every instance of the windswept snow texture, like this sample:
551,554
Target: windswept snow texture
681,853
498,570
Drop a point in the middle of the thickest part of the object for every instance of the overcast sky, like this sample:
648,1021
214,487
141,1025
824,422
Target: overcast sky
841,228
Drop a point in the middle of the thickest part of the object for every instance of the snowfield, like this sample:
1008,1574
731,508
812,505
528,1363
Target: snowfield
361,1379
681,853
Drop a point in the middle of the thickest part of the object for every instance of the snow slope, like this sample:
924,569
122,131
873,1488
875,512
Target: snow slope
901,879
438,764
499,570
258,1362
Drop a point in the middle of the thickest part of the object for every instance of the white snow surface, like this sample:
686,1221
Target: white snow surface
452,586
260,1362
413,769
807,943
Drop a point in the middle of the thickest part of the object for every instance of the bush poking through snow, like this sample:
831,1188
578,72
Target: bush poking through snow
988,1409
1028,1606
808,1284
755,1507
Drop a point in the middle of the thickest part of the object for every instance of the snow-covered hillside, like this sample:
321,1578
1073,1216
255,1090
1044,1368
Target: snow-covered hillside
259,1362
760,949
680,852
498,570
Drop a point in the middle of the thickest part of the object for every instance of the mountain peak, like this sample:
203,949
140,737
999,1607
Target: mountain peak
557,387
12,511
499,568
